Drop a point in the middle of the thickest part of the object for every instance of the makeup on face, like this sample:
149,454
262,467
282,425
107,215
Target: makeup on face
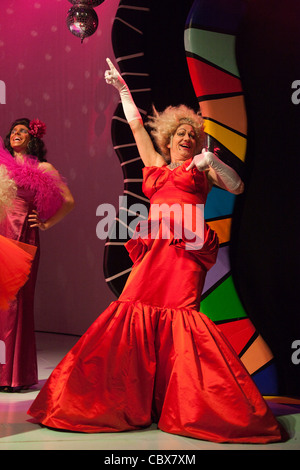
19,138
183,143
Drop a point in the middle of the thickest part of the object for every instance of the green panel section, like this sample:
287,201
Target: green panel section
217,48
223,303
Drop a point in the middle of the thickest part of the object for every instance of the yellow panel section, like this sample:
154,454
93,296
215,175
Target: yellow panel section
232,141
257,355
222,227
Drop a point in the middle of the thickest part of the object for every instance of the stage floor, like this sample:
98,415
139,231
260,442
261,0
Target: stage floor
19,432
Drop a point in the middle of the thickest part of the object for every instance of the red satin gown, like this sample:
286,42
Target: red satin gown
151,356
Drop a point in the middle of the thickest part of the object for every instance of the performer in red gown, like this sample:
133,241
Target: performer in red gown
151,356
41,201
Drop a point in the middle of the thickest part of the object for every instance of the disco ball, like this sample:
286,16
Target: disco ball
82,21
90,3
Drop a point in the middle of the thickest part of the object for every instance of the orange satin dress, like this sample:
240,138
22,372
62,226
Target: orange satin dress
15,265
151,356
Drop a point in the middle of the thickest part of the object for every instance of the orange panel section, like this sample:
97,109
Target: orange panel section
257,355
228,111
223,228
285,400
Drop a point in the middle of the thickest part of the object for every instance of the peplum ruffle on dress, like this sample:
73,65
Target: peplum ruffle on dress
15,262
151,356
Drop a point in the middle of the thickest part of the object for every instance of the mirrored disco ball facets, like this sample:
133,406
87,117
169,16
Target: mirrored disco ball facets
82,20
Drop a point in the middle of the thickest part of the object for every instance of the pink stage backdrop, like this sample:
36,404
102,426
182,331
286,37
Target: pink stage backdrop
47,73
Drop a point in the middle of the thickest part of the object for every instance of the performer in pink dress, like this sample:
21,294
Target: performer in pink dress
15,260
151,356
42,200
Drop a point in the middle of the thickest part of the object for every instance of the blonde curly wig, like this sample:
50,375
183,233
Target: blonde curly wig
163,126
8,191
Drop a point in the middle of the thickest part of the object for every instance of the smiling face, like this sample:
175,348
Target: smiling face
19,138
183,143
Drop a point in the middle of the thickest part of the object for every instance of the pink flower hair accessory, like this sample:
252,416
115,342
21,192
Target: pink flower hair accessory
37,128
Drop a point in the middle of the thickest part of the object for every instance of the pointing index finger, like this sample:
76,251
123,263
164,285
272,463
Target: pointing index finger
110,64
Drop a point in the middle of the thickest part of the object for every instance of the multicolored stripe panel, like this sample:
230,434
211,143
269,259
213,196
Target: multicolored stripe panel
209,39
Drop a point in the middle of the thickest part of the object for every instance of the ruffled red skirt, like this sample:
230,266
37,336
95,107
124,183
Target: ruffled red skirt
142,362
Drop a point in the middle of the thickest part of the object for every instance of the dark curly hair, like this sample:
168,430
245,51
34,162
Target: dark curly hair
36,146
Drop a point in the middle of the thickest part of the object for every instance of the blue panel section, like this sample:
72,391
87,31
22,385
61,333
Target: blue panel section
219,203
217,15
266,380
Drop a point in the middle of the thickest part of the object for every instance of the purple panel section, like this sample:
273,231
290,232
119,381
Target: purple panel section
220,269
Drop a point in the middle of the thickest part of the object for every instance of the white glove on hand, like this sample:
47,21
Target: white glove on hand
112,77
206,160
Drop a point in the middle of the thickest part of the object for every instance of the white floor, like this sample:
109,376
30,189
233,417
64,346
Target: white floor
19,432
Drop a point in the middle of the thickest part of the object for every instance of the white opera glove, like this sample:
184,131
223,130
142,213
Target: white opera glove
227,175
112,77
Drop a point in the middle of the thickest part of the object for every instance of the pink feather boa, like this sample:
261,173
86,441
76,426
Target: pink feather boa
45,185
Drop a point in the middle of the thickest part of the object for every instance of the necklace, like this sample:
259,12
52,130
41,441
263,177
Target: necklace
173,165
